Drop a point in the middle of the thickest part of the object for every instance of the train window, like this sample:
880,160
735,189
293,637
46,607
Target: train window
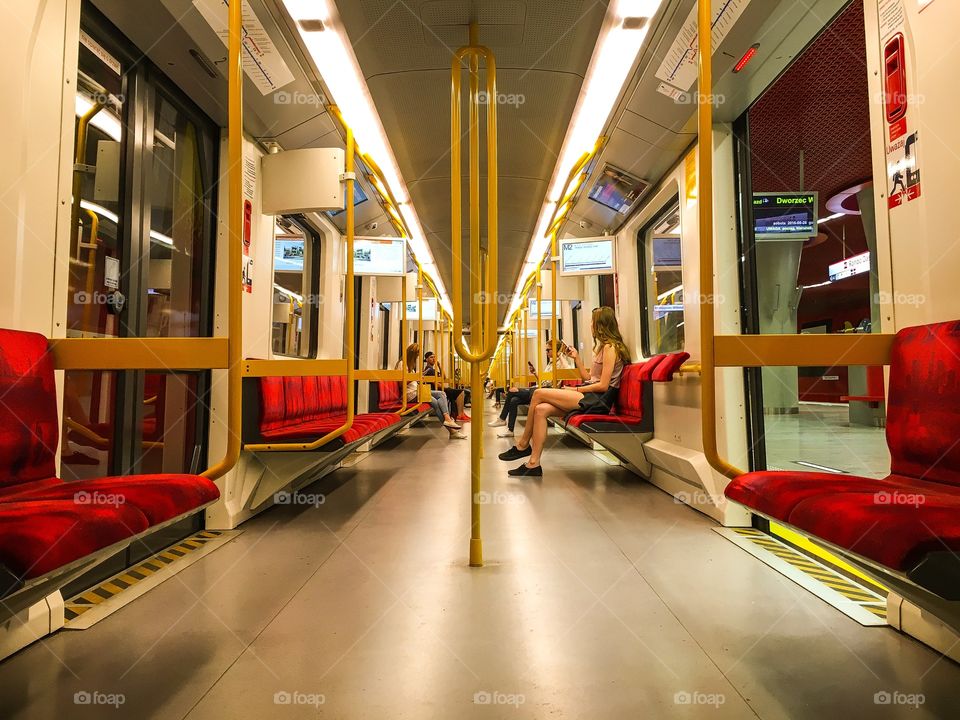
296,283
661,273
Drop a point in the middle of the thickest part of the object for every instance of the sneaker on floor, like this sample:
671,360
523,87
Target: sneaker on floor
458,435
451,424
499,422
515,453
505,434
463,418
526,471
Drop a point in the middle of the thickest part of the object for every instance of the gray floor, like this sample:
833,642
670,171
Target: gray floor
822,434
601,598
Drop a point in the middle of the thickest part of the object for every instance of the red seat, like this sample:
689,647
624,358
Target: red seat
914,511
38,537
628,412
45,522
666,368
303,409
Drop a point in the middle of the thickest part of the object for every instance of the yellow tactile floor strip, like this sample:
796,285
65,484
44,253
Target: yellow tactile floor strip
76,606
837,582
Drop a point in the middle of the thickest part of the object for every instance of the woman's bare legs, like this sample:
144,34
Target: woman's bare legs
559,399
539,422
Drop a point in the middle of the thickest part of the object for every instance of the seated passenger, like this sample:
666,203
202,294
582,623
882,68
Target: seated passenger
598,395
455,395
438,400
517,396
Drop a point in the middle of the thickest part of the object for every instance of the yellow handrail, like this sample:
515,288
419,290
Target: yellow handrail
231,453
405,334
484,329
554,319
538,365
348,309
708,380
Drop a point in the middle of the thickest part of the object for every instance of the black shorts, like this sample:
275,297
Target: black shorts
599,403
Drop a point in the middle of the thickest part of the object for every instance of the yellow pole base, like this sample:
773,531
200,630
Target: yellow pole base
476,552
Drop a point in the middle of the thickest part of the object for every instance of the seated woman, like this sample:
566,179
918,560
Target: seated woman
597,396
438,400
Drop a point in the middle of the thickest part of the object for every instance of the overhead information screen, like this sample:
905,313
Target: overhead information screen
359,196
785,216
594,256
288,255
379,256
429,309
546,308
666,252
617,190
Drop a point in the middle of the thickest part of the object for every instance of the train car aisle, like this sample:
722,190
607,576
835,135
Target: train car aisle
601,598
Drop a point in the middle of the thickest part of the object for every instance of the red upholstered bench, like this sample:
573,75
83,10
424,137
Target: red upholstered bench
909,522
670,364
48,526
390,399
628,413
303,409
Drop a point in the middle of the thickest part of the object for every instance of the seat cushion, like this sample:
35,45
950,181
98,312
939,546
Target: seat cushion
308,431
777,493
29,424
40,536
158,497
612,420
630,398
923,411
668,366
893,528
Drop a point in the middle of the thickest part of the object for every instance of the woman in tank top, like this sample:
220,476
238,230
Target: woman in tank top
596,396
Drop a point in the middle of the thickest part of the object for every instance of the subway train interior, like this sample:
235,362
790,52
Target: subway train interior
480,359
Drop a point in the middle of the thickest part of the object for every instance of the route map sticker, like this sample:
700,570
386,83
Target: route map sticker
261,61
679,67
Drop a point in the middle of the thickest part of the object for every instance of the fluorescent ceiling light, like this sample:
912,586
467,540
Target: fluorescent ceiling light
617,48
112,217
333,56
827,219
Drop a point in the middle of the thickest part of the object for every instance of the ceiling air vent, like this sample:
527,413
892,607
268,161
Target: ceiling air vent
204,62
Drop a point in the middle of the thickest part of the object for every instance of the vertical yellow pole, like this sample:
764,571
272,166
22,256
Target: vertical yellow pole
234,244
420,339
708,380
554,318
350,304
405,335
539,363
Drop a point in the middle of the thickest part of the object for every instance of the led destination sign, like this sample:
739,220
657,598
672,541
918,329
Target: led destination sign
785,216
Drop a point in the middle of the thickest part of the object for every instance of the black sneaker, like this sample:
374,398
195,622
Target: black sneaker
515,454
526,471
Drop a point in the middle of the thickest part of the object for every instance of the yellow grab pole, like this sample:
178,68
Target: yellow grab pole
538,366
234,245
405,334
420,340
484,335
554,317
708,381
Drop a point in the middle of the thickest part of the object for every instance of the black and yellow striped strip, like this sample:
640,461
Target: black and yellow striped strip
820,572
79,604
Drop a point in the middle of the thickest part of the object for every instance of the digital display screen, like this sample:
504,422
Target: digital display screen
546,307
429,309
379,256
359,196
587,257
666,252
785,216
855,265
288,255
617,190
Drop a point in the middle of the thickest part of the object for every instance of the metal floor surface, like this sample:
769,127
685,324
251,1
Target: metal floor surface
601,598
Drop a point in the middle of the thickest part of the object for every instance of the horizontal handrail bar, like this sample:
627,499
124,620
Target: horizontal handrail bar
164,354
802,350
294,368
